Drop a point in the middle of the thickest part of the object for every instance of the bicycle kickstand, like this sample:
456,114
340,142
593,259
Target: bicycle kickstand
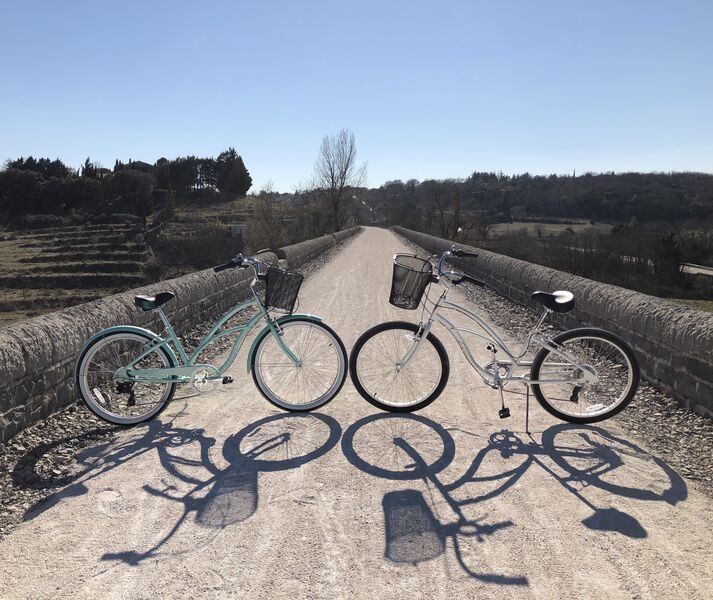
504,411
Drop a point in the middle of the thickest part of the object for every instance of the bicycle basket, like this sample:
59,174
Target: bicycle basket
281,289
410,278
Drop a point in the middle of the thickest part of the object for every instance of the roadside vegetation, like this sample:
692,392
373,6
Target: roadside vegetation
72,235
630,229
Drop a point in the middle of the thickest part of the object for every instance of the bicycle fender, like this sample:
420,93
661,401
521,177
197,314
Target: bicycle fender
266,329
118,329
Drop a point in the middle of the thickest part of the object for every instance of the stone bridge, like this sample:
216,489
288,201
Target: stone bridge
226,497
37,356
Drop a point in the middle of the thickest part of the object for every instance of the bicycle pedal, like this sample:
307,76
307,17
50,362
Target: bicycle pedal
227,379
504,413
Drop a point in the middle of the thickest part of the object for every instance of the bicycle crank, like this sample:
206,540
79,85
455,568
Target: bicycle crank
205,379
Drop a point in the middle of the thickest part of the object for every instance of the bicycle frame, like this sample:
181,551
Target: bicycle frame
182,374
515,361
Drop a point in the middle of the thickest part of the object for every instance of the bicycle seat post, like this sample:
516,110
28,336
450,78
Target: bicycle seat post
164,319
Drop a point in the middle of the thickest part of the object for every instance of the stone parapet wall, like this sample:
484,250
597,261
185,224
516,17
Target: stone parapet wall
674,344
37,356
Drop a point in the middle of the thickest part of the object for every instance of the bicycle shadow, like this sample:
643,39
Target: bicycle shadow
576,456
586,456
412,531
229,495
30,473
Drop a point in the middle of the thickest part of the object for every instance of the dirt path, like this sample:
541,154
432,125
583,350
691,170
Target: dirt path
227,498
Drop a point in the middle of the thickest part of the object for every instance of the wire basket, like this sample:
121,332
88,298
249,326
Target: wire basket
281,289
410,279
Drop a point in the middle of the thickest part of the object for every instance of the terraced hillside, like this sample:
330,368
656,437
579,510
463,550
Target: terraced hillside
46,269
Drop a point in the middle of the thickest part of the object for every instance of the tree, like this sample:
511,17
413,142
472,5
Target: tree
484,225
59,196
311,219
446,200
230,175
162,173
336,174
265,227
183,173
89,169
20,191
47,168
133,189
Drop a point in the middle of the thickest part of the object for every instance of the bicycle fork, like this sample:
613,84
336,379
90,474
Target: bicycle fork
416,338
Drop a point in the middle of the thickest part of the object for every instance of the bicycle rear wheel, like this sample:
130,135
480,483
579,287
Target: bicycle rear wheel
123,403
378,375
599,352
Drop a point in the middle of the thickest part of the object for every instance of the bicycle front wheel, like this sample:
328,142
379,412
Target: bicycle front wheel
123,403
379,375
599,352
318,376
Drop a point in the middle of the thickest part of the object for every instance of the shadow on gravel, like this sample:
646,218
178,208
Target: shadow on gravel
219,497
92,462
411,447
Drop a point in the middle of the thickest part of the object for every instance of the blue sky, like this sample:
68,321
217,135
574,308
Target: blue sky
430,89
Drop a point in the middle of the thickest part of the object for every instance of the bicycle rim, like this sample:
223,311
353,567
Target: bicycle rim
122,403
315,380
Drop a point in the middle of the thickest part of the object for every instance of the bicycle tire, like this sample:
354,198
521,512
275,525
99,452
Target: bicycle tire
264,386
372,396
94,405
587,333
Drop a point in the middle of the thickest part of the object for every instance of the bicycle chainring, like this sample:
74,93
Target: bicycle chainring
205,379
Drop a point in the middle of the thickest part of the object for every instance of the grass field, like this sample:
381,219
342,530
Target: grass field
236,211
699,304
545,229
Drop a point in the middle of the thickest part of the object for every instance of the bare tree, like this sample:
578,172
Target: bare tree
336,174
265,228
484,225
446,199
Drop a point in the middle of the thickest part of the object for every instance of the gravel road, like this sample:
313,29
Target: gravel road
224,497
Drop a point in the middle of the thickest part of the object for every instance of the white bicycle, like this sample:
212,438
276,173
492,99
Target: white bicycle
583,375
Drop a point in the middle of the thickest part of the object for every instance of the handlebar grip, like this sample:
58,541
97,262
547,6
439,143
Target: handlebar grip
231,264
458,253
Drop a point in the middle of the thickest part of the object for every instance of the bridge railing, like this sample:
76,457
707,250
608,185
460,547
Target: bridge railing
37,356
674,344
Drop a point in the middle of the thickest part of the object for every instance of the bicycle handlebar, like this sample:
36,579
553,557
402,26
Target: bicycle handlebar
231,264
460,253
241,262
457,277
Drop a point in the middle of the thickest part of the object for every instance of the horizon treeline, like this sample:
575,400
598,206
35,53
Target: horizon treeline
34,186
612,197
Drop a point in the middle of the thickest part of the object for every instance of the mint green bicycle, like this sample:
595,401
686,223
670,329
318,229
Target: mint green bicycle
127,374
